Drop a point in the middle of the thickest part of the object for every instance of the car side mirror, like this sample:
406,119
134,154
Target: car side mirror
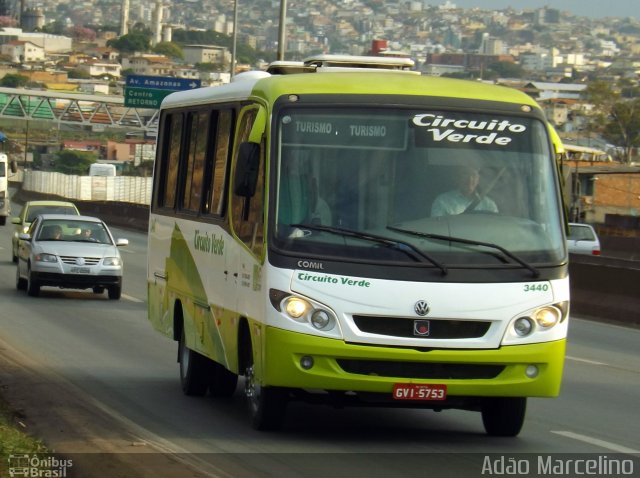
122,242
16,220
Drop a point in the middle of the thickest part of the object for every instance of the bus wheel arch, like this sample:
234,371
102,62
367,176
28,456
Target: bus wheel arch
266,404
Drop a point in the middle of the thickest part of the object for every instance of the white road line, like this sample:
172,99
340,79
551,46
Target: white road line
597,442
132,299
592,362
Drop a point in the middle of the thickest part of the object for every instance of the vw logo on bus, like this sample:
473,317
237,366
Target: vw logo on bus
421,308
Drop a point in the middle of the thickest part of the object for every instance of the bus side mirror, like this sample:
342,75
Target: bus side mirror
13,165
246,176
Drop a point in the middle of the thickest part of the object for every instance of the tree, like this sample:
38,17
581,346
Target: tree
13,80
131,42
169,49
616,118
507,69
624,127
74,162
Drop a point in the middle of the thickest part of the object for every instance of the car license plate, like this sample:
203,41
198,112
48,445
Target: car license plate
80,270
414,391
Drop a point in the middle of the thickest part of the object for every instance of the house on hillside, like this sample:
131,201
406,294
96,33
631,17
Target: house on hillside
21,52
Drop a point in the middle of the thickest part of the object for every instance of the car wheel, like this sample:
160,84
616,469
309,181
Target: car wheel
194,370
504,416
267,405
3,220
115,291
21,284
33,286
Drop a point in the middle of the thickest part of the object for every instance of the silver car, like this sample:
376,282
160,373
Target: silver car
582,239
72,252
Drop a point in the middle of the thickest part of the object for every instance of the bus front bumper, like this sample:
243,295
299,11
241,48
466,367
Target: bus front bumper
533,370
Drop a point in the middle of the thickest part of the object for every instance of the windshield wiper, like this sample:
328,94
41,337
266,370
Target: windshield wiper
535,272
409,249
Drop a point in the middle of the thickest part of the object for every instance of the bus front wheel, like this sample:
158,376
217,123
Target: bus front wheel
194,368
267,405
504,416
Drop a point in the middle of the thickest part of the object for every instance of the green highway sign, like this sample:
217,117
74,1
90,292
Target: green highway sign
144,97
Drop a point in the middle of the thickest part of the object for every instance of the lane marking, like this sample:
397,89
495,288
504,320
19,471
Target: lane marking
132,299
597,442
592,362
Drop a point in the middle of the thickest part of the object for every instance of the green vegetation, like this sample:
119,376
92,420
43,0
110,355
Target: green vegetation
13,440
616,117
74,162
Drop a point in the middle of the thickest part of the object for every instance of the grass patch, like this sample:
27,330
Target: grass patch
13,439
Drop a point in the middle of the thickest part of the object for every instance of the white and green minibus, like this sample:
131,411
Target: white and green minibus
309,232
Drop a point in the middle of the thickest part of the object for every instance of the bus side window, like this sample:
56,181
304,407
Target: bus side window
222,127
198,125
170,161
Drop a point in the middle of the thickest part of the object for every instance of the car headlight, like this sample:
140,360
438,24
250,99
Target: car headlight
46,258
111,261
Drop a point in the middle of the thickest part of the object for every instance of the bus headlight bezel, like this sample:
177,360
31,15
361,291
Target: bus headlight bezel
303,311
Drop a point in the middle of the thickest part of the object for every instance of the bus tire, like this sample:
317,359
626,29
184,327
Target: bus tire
194,370
504,416
267,405
222,382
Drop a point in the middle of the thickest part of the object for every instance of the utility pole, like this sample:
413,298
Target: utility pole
282,32
235,38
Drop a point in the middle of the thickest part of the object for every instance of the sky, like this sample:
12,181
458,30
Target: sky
587,8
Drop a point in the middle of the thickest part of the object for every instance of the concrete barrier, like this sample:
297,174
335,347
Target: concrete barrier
602,288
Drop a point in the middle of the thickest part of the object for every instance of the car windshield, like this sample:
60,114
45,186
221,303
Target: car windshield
76,231
456,187
35,211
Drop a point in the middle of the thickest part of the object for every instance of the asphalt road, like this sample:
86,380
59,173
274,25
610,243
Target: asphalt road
90,375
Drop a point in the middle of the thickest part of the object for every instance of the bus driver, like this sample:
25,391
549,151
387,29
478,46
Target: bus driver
464,196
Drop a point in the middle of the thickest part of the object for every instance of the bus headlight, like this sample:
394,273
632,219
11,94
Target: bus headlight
547,316
523,326
321,319
296,307
303,310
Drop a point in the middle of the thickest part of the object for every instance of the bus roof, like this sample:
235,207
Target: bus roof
342,74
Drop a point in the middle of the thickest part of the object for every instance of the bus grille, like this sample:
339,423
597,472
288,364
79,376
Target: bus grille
438,329
426,370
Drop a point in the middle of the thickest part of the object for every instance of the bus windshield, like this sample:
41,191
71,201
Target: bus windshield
377,184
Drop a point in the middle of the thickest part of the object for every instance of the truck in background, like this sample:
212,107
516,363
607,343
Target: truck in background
5,204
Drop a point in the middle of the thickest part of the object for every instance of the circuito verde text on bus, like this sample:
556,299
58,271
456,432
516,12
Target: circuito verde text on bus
303,276
208,243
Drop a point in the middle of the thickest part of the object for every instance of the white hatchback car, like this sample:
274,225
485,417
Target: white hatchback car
582,239
73,252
